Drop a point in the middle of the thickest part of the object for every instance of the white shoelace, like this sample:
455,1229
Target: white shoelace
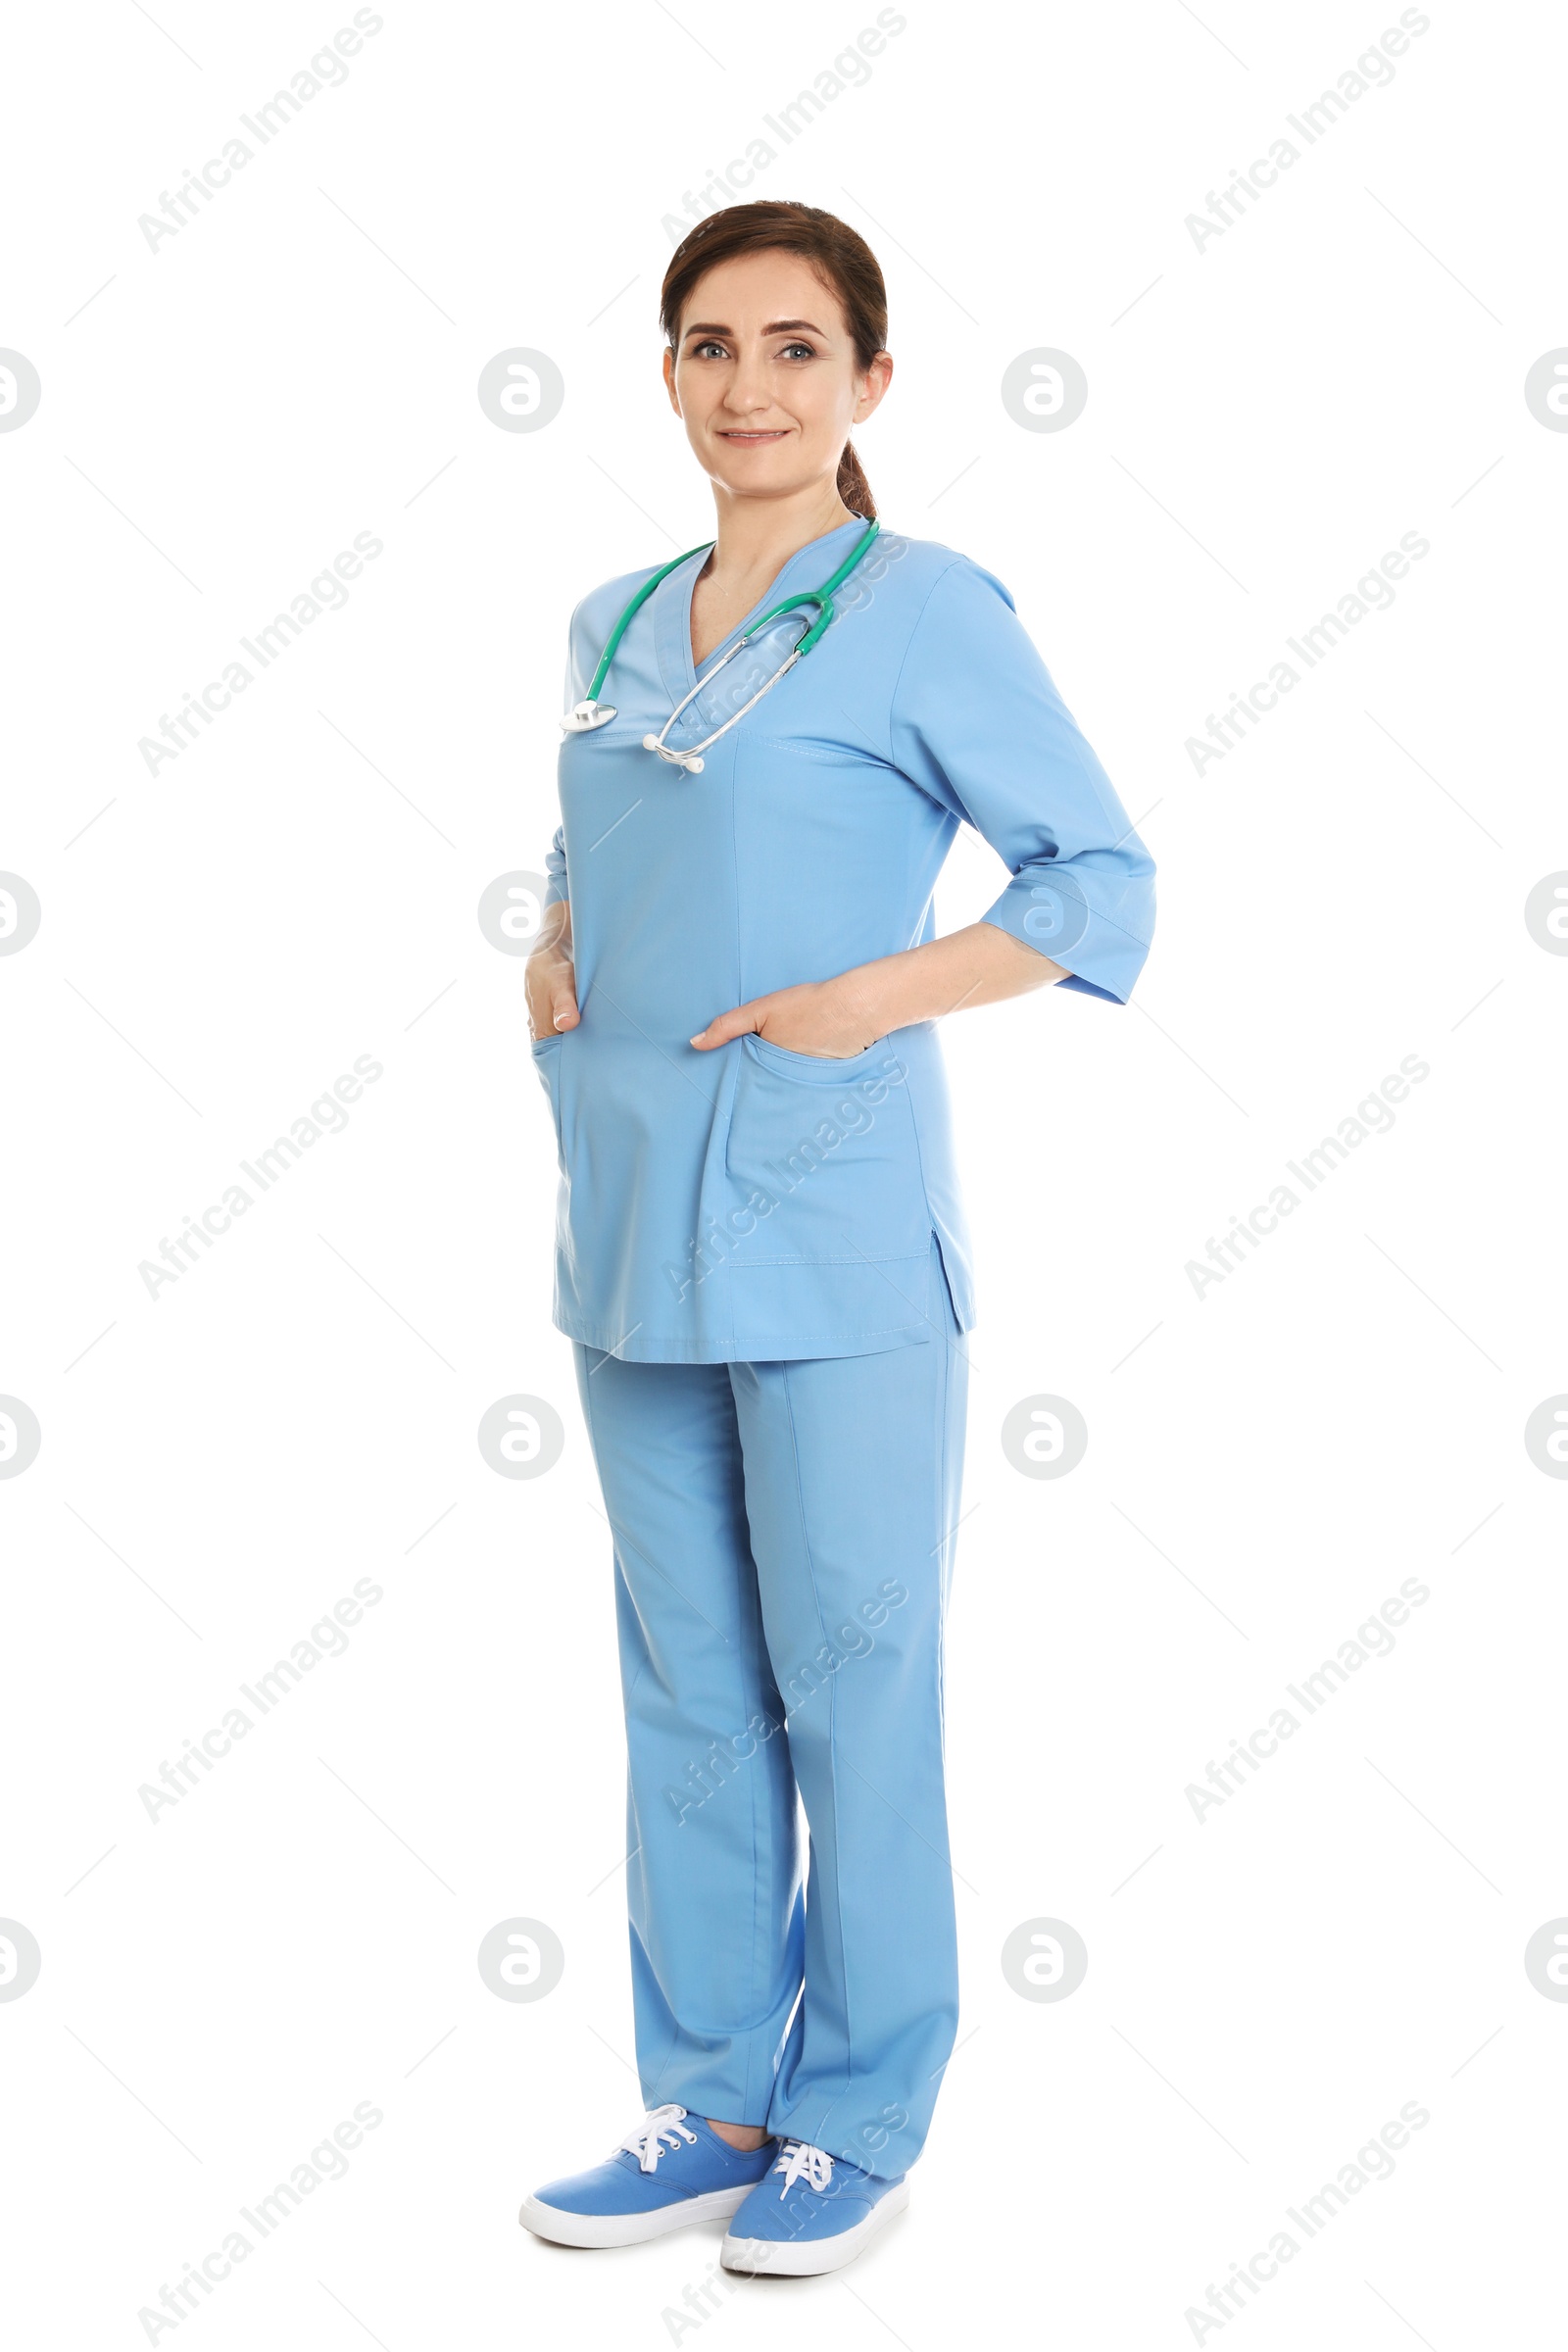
801,2162
658,2126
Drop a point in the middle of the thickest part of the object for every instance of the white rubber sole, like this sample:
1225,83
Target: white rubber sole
805,2260
565,2229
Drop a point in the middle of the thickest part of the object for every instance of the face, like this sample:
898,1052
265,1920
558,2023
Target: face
765,379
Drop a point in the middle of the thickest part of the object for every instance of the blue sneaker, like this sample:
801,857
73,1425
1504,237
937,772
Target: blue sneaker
818,2221
667,2173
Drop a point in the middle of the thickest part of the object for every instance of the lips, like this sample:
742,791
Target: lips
775,433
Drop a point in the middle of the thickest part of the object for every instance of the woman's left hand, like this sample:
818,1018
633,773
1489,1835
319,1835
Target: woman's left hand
821,1017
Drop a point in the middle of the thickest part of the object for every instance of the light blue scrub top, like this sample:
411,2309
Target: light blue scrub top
749,1202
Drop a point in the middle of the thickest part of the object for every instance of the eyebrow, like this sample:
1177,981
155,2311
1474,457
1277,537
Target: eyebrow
778,326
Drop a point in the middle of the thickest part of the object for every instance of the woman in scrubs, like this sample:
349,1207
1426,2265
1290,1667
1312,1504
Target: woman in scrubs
760,1249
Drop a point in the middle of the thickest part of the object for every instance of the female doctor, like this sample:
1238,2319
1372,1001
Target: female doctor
760,1249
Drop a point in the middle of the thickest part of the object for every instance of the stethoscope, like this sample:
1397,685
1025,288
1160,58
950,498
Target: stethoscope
590,713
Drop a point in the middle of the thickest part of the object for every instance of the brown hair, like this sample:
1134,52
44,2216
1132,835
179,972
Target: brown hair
840,258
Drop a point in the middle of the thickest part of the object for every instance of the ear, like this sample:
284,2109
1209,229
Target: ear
876,380
669,379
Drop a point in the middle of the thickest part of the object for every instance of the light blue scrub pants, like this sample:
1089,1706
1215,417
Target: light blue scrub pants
783,1539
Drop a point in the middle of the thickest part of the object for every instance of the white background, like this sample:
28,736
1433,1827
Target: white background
1266,1464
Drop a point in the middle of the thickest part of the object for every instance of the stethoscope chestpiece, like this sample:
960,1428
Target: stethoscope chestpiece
582,717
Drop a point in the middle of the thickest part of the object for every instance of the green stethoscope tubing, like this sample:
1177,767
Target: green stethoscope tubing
630,615
586,715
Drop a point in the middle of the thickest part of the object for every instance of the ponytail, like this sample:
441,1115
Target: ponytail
853,486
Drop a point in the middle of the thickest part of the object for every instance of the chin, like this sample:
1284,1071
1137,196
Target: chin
757,471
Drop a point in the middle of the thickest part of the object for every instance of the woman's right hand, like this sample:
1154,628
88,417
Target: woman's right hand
550,976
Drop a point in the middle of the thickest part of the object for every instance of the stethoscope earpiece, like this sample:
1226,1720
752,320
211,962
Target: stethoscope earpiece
689,760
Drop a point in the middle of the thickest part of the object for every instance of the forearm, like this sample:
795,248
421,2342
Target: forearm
982,964
840,1017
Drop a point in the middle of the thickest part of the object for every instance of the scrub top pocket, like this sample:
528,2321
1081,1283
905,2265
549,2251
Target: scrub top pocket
835,1141
817,1069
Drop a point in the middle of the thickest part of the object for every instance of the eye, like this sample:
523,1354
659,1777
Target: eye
806,349
699,349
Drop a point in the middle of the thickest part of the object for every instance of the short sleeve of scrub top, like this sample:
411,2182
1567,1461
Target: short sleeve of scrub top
751,1203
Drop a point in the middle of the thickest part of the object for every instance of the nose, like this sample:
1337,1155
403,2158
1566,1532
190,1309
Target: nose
748,391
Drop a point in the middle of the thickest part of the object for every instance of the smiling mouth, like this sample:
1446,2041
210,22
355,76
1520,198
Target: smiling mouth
774,433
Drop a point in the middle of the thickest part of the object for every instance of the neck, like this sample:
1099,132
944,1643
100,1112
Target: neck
757,536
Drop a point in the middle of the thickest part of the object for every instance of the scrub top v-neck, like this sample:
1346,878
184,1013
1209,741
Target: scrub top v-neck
751,1203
